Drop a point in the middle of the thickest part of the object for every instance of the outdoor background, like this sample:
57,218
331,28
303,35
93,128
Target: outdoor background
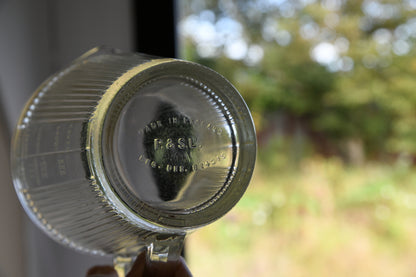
331,87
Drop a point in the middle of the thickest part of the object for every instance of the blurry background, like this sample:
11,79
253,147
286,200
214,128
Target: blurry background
331,88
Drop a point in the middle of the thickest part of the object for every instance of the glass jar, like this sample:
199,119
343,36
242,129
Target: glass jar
123,151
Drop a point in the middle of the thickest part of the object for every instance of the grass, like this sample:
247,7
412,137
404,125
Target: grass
321,218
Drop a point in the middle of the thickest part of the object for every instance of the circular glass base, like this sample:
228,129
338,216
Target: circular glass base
178,144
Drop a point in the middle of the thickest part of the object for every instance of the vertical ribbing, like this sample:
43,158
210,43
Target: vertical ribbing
51,173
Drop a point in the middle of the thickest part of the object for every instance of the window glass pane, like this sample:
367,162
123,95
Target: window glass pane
331,88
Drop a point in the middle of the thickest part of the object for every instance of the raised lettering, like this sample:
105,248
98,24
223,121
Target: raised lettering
181,143
158,144
169,144
191,143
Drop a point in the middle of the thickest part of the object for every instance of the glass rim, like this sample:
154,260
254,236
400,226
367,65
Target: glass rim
225,198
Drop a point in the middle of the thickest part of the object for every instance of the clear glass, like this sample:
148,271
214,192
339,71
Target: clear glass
122,152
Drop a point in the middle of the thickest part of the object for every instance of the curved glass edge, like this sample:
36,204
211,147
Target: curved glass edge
94,151
204,215
15,154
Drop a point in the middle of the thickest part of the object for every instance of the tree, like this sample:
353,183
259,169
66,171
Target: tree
345,69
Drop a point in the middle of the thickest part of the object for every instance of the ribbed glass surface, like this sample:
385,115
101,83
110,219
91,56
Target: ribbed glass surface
50,166
122,151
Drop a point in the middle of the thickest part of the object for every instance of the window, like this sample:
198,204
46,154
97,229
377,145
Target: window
331,88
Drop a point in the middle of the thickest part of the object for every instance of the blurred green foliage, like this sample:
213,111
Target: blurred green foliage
320,77
343,70
320,219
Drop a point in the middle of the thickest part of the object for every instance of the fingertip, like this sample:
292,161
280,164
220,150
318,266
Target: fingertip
102,271
182,269
138,265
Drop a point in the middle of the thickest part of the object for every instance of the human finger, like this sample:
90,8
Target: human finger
137,270
102,271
